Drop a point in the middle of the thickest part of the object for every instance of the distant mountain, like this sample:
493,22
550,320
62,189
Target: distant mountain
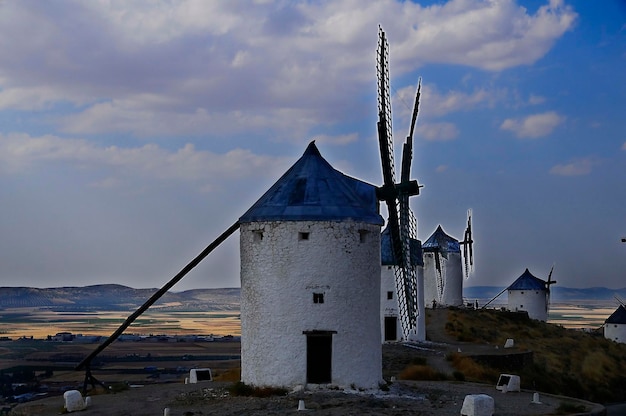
122,298
117,297
558,293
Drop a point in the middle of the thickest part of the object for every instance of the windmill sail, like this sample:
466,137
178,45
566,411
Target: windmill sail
401,221
468,246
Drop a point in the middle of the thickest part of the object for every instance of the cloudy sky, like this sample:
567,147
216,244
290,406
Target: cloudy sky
133,133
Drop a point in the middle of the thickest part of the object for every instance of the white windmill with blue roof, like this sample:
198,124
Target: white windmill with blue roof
615,324
310,255
531,294
446,266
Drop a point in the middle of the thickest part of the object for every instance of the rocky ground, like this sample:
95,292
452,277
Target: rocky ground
211,398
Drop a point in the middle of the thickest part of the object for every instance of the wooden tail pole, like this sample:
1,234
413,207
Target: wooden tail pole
494,298
86,363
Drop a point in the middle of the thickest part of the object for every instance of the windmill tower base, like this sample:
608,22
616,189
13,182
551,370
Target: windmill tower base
314,320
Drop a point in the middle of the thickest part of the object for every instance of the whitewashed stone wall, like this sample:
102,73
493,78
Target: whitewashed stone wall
391,307
531,301
615,332
452,275
281,267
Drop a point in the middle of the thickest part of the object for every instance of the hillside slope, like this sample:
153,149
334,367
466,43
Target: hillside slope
564,361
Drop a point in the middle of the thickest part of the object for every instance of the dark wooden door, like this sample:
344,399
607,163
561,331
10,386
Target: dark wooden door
319,353
391,325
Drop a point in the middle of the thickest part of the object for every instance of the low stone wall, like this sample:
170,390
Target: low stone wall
509,362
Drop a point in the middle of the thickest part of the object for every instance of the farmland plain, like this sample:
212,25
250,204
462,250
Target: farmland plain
36,323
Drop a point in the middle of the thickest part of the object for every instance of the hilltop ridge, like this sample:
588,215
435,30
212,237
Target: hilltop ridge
557,293
114,297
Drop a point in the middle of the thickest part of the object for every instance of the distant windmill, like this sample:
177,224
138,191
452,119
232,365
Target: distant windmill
615,324
530,294
443,265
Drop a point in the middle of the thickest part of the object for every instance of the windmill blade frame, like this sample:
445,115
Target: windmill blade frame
396,196
468,246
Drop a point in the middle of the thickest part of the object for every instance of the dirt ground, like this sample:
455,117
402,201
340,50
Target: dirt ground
212,398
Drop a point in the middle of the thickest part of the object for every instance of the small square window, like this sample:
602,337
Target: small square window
318,298
389,295
303,236
363,236
257,235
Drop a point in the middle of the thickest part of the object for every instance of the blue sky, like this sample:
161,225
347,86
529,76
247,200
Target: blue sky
133,133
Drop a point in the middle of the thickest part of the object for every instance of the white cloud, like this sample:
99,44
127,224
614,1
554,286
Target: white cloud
574,168
336,140
20,152
437,131
533,126
161,66
434,104
536,99
492,35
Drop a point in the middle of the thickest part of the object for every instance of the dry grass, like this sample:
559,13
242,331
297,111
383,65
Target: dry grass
471,370
566,361
421,372
231,374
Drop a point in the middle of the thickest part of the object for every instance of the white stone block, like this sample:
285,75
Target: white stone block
508,382
73,401
536,398
509,343
200,374
301,405
477,405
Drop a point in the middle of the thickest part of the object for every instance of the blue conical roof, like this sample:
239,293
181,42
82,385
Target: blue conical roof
440,241
617,317
528,282
312,190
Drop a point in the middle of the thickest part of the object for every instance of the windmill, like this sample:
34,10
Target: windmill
445,265
549,282
401,221
528,293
